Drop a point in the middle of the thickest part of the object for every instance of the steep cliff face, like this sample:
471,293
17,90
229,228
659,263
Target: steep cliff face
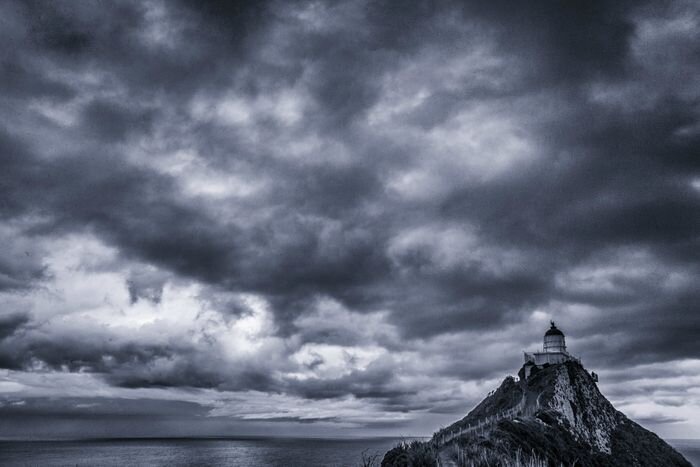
578,405
558,417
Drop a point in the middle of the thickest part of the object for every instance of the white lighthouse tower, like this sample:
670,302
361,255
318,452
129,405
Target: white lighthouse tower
554,350
554,341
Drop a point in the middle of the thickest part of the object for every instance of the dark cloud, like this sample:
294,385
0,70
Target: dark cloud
112,122
660,418
87,407
569,41
452,167
11,322
147,285
374,383
20,267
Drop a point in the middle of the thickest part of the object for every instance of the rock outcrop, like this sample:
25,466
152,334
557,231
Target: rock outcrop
557,416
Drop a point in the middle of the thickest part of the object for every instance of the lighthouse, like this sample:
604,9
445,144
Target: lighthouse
554,340
553,350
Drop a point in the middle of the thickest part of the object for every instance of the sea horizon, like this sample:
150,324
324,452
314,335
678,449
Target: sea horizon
238,437
248,450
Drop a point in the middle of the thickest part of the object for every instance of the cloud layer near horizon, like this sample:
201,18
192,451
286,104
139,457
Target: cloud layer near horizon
373,206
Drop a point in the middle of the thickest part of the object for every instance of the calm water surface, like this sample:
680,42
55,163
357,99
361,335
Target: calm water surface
185,452
690,448
216,452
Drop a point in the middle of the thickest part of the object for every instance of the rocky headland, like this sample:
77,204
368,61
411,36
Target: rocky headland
556,416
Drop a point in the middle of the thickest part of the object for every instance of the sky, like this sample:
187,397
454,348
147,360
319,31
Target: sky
342,218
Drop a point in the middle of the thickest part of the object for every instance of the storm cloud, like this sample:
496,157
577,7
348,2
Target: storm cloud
376,205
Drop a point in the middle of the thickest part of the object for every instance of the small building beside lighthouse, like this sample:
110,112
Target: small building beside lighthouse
553,351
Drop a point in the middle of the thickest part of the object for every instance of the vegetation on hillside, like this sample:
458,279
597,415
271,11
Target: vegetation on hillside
561,419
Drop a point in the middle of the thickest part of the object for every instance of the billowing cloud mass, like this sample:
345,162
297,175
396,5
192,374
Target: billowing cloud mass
342,217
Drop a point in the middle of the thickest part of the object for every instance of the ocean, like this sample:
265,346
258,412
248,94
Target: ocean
253,452
249,452
690,448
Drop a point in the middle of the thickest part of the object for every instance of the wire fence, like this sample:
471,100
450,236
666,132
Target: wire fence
481,426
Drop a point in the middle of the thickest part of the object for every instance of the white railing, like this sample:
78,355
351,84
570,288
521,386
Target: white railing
444,436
